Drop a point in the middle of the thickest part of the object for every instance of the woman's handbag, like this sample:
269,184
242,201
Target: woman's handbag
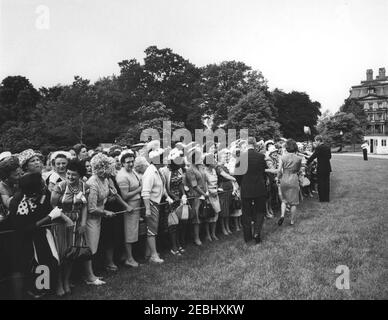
206,210
79,249
303,181
172,219
236,203
184,212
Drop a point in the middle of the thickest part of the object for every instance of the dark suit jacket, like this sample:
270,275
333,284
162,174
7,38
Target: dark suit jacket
323,155
252,183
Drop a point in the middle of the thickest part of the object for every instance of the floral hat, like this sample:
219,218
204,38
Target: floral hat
27,155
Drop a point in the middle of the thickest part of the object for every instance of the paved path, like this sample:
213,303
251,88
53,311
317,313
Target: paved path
355,154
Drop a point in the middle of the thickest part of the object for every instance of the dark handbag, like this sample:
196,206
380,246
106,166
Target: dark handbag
79,250
206,210
236,203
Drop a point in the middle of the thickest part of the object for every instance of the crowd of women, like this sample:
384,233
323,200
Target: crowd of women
71,205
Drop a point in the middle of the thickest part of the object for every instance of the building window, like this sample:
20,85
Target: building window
376,143
384,143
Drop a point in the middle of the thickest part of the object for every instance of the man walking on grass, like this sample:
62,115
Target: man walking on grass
323,154
253,192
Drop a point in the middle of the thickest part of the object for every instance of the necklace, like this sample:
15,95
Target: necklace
74,189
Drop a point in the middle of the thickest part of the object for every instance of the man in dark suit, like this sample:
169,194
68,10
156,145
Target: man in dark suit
253,192
323,155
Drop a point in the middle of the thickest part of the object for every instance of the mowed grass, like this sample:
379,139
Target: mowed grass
296,262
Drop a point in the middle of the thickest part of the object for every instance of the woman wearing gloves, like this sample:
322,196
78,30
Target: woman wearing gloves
152,191
173,176
100,188
69,195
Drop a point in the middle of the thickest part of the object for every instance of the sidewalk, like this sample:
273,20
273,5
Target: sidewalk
359,154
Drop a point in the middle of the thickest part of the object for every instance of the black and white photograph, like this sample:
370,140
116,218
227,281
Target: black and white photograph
193,155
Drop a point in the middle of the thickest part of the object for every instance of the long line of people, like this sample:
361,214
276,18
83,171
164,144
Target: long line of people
87,202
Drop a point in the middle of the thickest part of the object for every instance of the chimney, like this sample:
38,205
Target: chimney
369,75
382,73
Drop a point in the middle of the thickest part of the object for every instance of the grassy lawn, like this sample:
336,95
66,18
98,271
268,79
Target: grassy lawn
292,262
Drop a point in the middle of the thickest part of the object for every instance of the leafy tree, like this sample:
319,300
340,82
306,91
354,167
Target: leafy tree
255,112
354,107
296,110
18,98
172,80
149,117
222,85
352,132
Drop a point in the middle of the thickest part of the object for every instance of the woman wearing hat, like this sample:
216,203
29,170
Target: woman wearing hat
31,161
225,181
153,189
70,195
173,175
195,180
59,161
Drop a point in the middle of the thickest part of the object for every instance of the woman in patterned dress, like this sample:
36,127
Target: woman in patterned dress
225,182
69,195
173,176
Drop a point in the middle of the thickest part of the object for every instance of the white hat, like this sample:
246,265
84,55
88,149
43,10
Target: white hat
267,142
65,153
272,149
126,151
5,154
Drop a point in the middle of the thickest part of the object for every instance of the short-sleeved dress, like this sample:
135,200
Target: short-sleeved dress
72,199
98,195
289,183
195,177
212,187
226,195
130,181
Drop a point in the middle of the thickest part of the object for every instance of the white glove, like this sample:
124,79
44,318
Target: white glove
169,200
184,199
55,213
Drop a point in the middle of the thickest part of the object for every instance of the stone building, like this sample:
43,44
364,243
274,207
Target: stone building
373,95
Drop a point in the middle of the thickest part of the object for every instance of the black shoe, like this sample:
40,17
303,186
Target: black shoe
280,222
258,239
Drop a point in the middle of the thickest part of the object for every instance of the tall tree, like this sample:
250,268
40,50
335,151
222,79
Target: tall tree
18,98
222,85
296,110
352,106
345,123
149,117
255,112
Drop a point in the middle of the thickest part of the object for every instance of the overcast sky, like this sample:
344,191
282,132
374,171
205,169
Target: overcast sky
321,47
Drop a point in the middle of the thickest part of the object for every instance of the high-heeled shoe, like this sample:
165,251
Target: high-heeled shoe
280,222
